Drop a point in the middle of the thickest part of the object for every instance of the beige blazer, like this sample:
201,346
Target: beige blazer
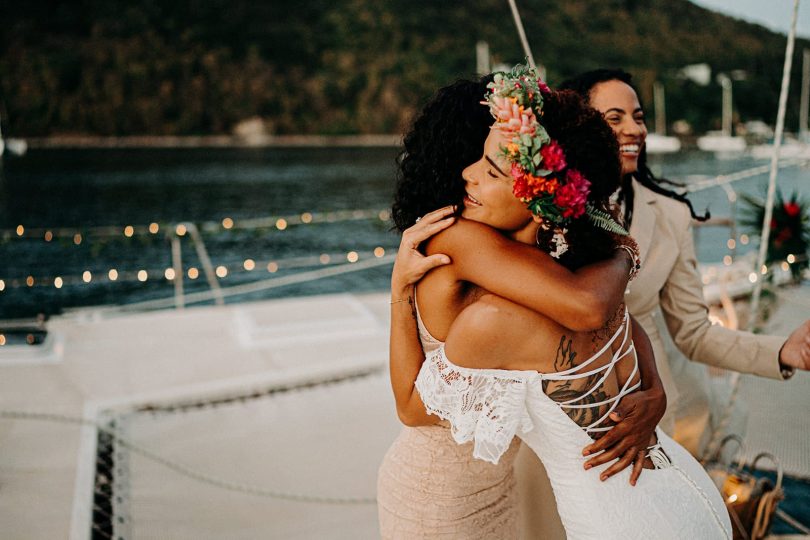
669,280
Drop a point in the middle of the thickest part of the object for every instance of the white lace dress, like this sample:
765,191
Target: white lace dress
489,407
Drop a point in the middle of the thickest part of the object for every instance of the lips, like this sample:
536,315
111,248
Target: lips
469,199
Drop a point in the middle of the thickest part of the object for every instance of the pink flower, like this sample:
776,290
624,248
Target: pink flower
553,156
573,196
544,89
513,117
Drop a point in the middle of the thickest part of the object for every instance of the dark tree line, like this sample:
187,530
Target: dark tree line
353,66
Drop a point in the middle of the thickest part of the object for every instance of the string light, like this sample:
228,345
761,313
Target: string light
129,230
785,266
181,230
744,239
223,270
791,258
752,277
227,223
384,215
77,238
20,230
763,270
48,236
281,224
727,260
2,340
731,243
306,217
154,228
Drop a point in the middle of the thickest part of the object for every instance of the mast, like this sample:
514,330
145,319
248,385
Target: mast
803,107
660,108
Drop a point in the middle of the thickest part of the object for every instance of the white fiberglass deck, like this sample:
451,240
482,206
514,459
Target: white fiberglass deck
239,395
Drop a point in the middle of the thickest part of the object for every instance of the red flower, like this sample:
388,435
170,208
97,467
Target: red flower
544,89
573,196
553,156
792,209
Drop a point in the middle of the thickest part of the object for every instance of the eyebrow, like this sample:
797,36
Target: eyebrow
618,110
491,162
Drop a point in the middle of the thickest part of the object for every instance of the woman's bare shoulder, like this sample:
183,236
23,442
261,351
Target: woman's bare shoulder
462,235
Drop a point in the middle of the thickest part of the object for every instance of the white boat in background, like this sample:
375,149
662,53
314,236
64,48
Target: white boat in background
662,144
15,147
658,142
718,141
790,148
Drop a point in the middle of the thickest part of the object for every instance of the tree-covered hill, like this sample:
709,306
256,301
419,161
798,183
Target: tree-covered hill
114,67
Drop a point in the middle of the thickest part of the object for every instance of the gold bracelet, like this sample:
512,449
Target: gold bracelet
392,302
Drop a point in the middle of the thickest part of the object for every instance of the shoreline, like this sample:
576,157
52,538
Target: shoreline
213,141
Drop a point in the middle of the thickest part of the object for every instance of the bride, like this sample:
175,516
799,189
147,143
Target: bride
507,371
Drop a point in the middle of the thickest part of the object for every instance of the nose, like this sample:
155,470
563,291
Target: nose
468,174
632,128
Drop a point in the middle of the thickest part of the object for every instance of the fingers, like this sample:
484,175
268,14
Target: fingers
638,466
606,456
429,225
429,263
606,441
620,465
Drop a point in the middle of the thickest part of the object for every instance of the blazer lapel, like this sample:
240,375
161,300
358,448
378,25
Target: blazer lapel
643,224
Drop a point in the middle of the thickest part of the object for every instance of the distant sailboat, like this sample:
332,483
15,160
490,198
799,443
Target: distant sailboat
15,147
723,141
658,142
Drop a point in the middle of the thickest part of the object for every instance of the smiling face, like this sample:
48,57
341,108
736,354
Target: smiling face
619,103
489,198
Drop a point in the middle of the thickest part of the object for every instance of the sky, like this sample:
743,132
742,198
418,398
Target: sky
773,14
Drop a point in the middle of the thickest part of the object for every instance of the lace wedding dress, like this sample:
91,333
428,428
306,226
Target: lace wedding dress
428,486
489,407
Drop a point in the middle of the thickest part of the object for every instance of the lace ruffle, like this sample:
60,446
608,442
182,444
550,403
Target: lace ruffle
481,406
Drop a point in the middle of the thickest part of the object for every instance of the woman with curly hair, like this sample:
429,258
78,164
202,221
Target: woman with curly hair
545,178
428,486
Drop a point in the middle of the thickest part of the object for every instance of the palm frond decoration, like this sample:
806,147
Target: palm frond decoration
605,221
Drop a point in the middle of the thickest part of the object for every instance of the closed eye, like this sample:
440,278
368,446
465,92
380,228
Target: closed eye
492,174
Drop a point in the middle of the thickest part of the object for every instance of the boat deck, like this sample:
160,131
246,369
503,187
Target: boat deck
264,419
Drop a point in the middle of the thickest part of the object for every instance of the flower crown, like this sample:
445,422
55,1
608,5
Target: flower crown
542,178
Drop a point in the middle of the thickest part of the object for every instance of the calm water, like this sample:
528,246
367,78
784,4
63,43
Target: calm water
80,189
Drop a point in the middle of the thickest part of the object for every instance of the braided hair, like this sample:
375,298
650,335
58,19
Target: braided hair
583,84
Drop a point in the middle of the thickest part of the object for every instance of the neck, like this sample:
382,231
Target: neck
526,235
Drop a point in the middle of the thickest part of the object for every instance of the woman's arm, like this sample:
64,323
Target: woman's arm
636,417
583,300
405,350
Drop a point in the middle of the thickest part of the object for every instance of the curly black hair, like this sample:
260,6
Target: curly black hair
446,137
591,148
449,134
582,84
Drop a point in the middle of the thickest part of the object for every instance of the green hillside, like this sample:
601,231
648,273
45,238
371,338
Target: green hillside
351,66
